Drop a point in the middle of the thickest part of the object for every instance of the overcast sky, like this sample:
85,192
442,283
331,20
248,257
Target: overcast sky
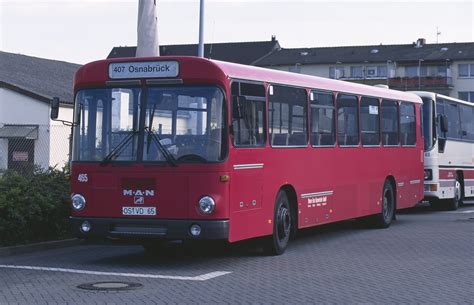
80,31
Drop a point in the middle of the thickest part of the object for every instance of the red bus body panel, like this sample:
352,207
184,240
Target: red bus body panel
351,177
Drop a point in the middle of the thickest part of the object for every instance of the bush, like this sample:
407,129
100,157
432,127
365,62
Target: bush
34,208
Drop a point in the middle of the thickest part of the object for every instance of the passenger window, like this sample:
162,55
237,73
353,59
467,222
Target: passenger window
347,117
248,114
323,130
467,122
369,121
454,124
287,113
407,124
390,127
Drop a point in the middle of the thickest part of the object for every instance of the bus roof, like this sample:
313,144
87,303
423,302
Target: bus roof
195,68
433,96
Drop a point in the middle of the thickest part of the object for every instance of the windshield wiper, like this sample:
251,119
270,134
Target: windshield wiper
150,134
114,153
166,153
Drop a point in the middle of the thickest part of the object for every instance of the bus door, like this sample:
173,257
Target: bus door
247,160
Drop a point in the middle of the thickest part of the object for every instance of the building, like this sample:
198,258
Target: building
446,68
28,137
247,53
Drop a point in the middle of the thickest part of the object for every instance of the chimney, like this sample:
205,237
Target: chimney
274,38
420,42
147,30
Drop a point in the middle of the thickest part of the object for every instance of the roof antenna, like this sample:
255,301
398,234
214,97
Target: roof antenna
438,33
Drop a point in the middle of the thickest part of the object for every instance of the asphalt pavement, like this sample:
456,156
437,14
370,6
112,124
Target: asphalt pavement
425,257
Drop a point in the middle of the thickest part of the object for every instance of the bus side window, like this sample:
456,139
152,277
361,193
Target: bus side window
248,114
287,116
454,124
347,120
407,124
369,121
467,122
390,134
323,129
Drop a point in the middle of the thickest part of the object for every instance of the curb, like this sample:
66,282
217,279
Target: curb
42,246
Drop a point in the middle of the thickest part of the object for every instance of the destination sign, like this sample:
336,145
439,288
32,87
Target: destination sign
146,69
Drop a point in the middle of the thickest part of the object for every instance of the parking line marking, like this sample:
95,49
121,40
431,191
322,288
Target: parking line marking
461,212
202,277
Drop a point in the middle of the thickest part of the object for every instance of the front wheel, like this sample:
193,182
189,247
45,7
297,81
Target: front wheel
282,226
386,215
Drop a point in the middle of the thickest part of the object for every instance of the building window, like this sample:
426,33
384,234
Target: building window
466,96
376,71
382,71
357,72
411,71
466,70
336,72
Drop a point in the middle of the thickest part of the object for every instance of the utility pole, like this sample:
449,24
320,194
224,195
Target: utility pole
201,30
147,29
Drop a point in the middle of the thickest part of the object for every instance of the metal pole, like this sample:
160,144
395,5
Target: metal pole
201,30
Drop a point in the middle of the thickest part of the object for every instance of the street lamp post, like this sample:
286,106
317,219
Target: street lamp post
419,73
388,71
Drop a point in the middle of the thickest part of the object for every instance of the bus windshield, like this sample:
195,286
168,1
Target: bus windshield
429,123
158,124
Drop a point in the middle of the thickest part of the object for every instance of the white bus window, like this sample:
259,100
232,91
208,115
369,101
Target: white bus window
467,122
454,125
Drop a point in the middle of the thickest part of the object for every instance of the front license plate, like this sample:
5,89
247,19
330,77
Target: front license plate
146,211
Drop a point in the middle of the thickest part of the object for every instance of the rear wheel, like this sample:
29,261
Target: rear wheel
456,201
386,215
282,226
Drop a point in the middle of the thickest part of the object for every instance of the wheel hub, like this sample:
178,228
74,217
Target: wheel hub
284,222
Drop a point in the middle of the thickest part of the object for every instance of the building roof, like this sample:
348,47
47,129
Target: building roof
36,77
237,52
377,54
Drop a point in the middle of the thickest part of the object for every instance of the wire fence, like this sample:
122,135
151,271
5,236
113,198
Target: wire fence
27,149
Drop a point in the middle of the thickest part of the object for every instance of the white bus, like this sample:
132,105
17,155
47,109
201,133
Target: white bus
448,128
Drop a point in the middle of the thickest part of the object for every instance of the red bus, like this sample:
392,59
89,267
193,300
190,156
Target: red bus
171,148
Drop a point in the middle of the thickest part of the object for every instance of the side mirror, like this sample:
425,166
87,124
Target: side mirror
443,123
238,106
54,108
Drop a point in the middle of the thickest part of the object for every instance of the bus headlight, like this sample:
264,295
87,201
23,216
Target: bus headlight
428,174
78,202
207,205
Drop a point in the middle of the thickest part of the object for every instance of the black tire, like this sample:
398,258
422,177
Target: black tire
282,226
387,213
454,203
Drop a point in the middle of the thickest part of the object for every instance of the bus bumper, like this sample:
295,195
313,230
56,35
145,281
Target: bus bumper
124,228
